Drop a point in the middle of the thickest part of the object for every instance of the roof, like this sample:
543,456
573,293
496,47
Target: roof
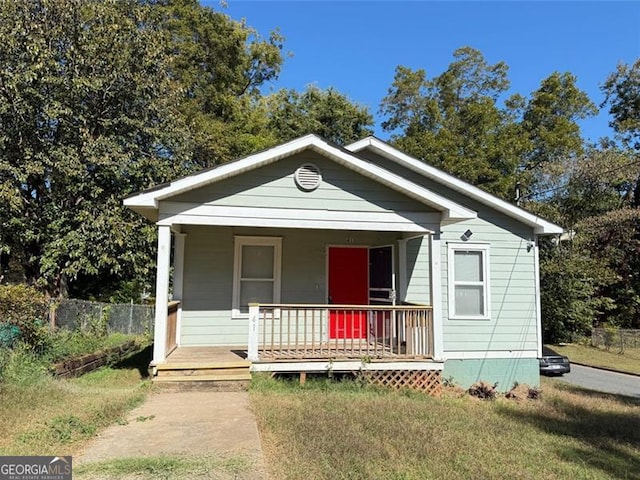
147,202
540,225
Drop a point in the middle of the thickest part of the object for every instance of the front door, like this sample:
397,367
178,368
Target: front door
348,285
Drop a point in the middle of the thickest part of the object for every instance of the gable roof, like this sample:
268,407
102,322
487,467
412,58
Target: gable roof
541,226
147,202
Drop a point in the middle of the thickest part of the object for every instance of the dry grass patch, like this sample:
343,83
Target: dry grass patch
44,416
327,430
627,361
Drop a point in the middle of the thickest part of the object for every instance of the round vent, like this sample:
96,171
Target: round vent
308,177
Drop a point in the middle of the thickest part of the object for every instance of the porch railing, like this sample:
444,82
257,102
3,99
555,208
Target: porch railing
172,326
286,331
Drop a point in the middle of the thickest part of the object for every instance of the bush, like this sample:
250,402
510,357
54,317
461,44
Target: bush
483,390
25,308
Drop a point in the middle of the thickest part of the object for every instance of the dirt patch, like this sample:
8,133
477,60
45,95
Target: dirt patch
212,424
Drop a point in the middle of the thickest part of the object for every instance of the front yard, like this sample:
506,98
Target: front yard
340,431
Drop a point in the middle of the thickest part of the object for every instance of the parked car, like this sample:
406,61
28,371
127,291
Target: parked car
554,365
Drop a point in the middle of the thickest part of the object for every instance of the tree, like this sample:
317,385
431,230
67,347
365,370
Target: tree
219,64
550,124
86,117
453,121
622,95
327,113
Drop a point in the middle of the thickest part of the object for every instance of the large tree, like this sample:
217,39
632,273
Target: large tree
327,113
101,99
453,120
86,117
219,64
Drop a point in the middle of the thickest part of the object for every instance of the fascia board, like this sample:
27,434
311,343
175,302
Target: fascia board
450,209
151,198
540,226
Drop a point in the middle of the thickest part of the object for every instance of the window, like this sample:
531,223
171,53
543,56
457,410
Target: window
468,281
256,275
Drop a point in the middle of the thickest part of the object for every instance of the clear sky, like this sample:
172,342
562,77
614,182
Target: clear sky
355,46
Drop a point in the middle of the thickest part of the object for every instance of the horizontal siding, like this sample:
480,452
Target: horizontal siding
208,276
418,271
512,324
273,186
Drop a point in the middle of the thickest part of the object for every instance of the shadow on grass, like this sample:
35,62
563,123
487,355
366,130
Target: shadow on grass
610,437
139,360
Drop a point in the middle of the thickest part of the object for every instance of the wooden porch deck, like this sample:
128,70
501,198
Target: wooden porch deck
206,355
334,350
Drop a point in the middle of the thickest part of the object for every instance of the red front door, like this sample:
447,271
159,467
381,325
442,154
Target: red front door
348,285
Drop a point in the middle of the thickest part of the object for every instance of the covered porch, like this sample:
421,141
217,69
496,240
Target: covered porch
384,323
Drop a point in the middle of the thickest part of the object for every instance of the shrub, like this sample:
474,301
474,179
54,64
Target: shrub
25,308
483,390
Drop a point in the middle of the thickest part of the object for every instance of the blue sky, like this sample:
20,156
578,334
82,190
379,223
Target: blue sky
355,46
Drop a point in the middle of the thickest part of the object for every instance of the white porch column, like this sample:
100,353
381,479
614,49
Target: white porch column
178,276
536,268
252,343
162,293
435,255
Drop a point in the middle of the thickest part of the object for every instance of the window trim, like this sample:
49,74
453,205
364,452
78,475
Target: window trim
469,247
241,241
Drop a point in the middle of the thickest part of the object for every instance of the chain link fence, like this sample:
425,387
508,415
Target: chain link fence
127,318
619,339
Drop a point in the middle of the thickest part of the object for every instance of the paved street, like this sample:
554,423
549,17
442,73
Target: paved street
603,381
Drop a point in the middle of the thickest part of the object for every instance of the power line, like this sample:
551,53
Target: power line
561,187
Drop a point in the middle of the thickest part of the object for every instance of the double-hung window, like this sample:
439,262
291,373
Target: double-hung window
256,276
469,281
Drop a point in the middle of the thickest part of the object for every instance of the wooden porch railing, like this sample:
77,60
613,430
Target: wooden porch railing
172,326
284,331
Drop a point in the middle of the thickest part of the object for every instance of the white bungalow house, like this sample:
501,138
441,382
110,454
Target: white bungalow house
311,256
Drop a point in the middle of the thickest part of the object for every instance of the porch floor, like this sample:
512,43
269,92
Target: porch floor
336,350
198,355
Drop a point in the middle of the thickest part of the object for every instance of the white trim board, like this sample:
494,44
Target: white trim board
147,202
172,213
541,226
343,366
485,355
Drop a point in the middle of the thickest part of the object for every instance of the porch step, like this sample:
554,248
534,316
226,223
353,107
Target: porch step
226,377
203,365
207,375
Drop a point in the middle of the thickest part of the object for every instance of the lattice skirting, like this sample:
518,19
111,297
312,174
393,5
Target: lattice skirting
427,381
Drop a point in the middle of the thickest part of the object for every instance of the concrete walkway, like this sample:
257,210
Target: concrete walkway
218,424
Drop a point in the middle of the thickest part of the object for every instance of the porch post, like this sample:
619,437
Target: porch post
536,269
252,344
162,293
435,255
178,275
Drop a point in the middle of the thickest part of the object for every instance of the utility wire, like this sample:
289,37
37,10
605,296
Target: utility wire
561,187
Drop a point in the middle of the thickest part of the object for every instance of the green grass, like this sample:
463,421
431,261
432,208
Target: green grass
627,361
44,416
174,467
325,430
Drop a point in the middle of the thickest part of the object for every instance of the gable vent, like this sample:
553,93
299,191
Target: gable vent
308,177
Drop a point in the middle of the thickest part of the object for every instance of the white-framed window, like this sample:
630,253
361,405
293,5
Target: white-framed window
256,272
469,281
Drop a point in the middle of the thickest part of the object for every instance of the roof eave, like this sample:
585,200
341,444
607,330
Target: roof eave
540,226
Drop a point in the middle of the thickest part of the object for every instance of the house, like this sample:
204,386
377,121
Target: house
310,256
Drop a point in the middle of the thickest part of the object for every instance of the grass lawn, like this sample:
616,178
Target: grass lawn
44,416
628,361
335,430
